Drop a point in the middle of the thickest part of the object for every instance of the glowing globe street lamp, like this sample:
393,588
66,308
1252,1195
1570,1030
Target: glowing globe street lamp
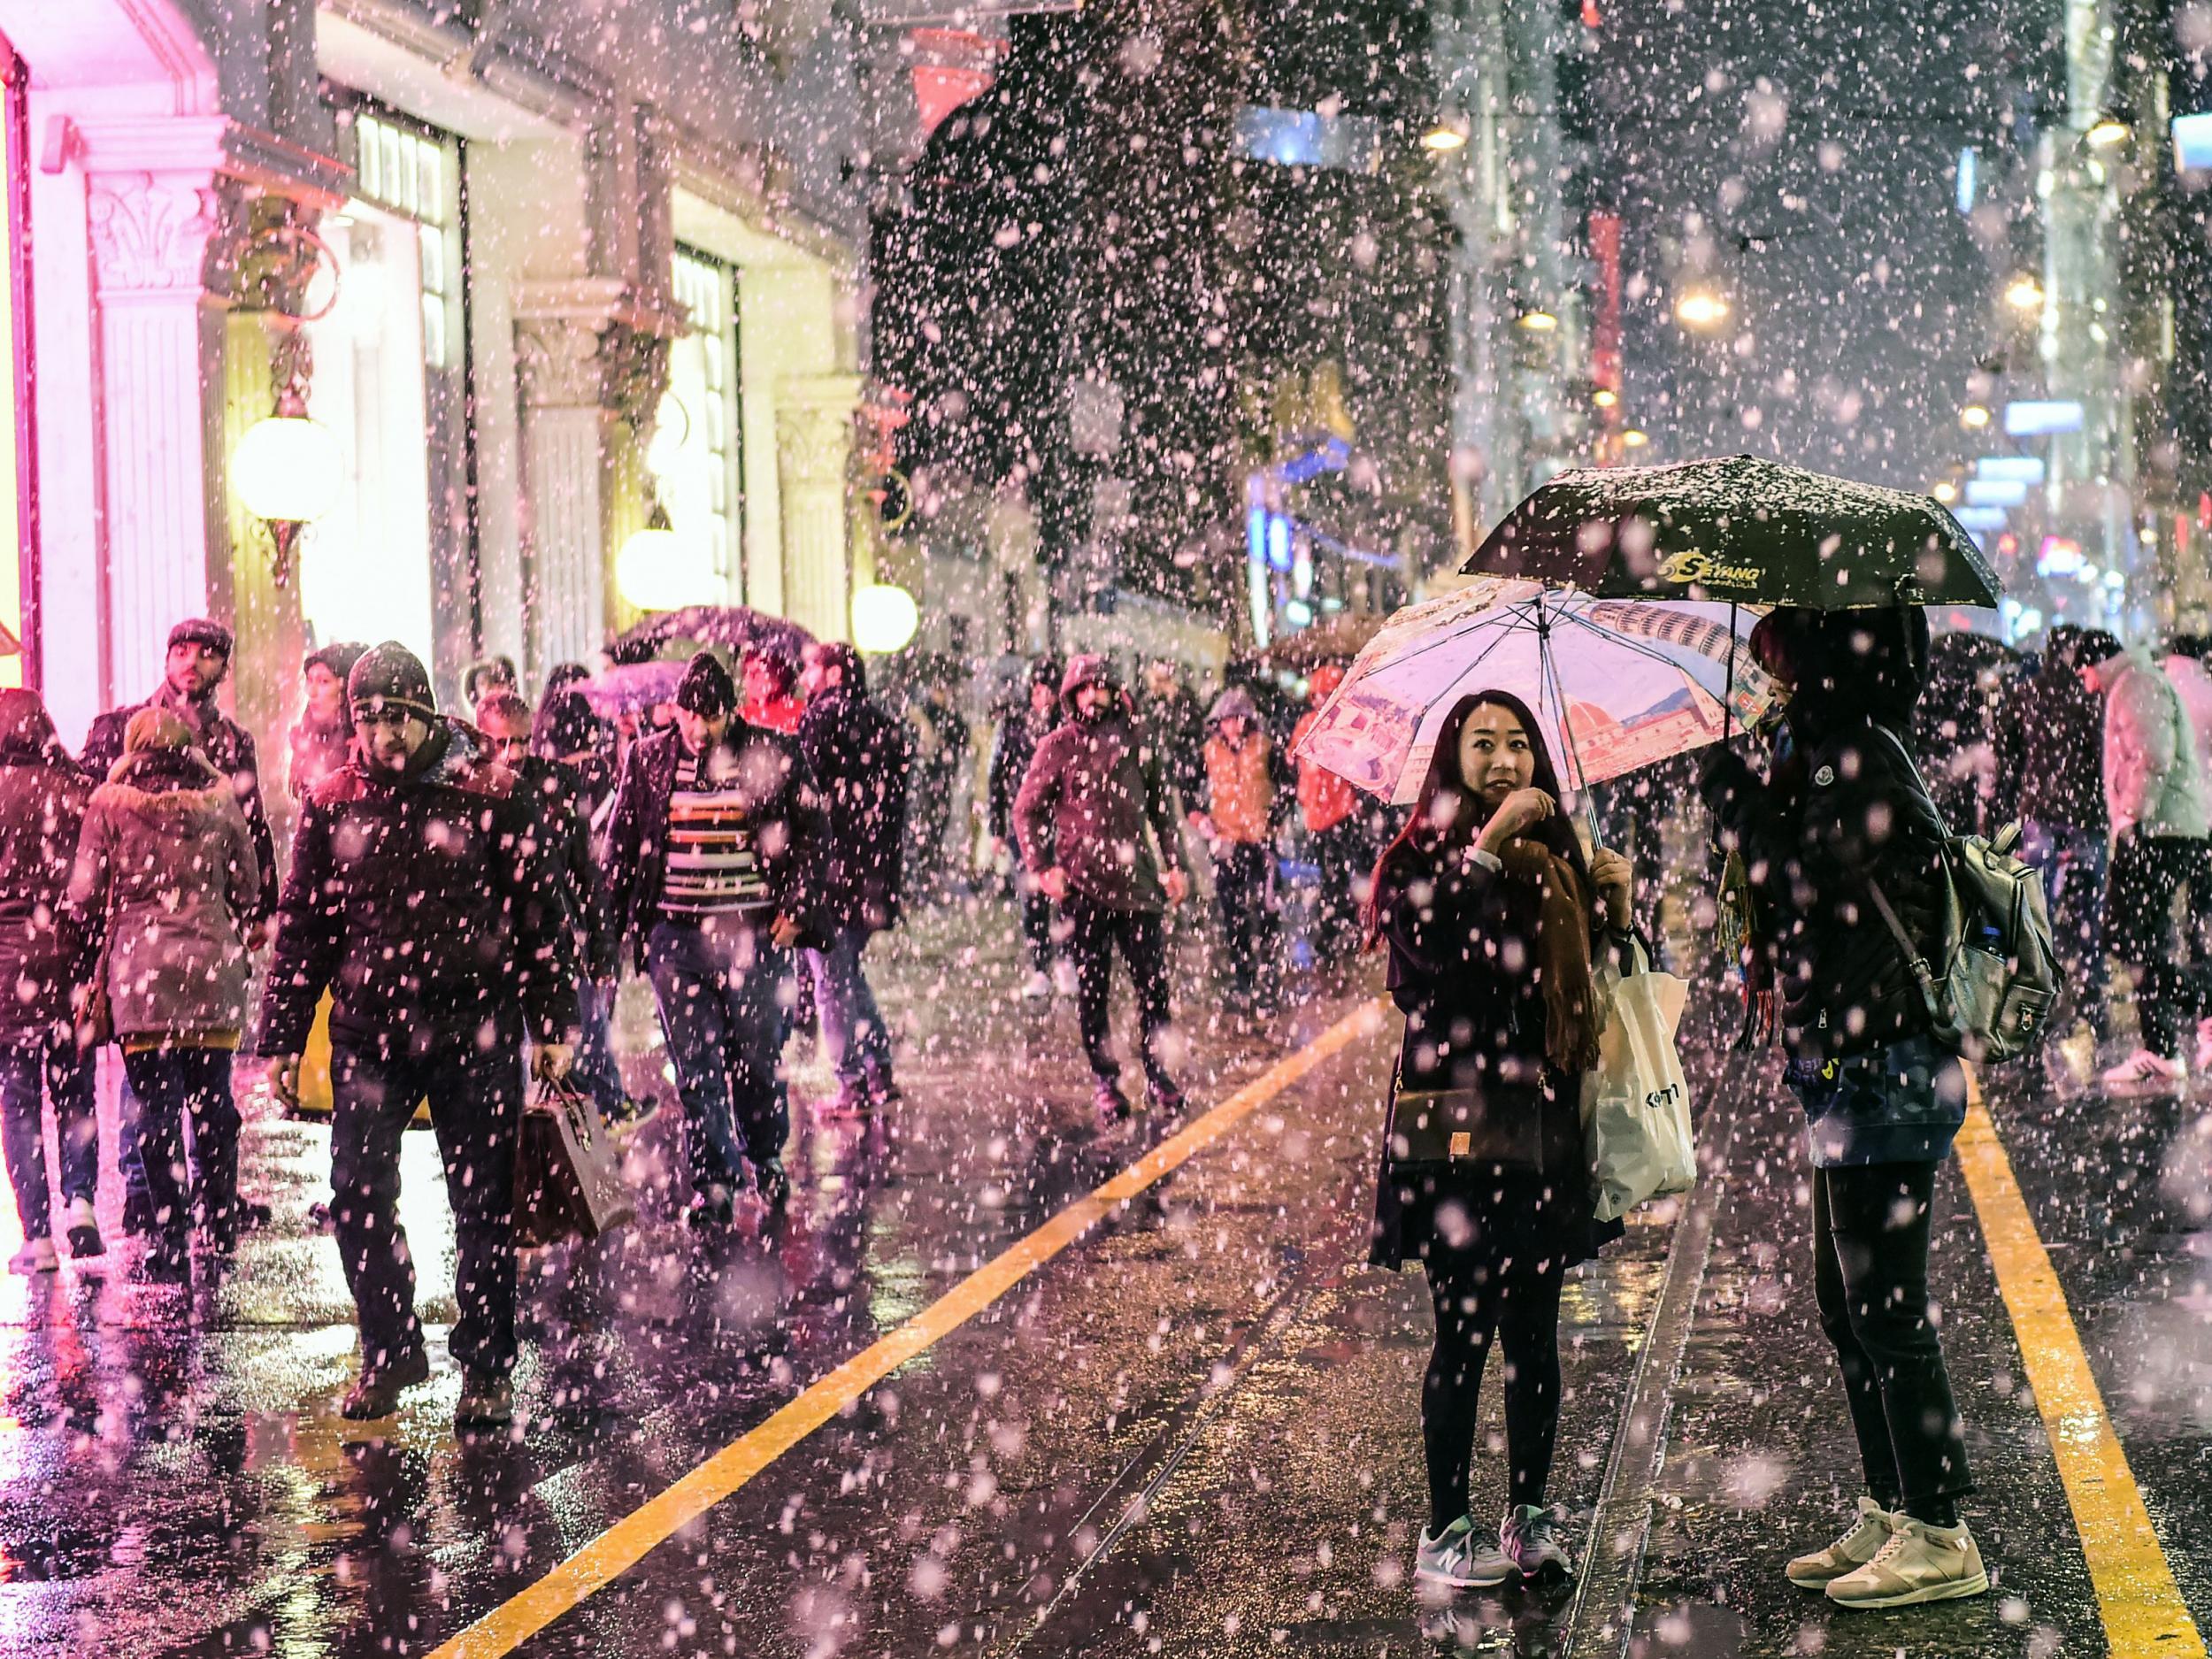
884,618
659,570
287,470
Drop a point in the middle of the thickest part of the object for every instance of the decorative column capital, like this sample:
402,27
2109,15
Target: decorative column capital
814,427
592,342
150,231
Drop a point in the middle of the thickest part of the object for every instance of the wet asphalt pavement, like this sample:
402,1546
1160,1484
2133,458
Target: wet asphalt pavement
1194,1433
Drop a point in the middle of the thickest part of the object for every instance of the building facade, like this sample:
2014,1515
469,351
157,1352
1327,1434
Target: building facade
541,272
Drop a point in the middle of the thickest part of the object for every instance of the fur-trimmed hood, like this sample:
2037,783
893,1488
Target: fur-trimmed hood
173,790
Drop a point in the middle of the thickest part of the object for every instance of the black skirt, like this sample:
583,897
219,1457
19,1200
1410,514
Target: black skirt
1419,1205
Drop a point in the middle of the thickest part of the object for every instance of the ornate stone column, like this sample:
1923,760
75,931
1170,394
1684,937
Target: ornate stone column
153,206
814,447
592,362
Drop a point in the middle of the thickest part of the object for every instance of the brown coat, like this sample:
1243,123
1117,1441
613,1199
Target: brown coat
167,859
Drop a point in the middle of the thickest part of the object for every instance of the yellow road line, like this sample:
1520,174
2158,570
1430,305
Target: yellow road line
628,1540
2142,1608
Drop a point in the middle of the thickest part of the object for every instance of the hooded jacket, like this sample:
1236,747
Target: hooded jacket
166,863
857,756
1841,810
2153,781
427,903
229,748
1091,792
43,946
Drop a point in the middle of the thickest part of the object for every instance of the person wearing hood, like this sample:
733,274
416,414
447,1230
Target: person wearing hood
1241,801
856,754
1097,832
423,896
2155,790
321,740
43,954
713,860
1495,924
165,859
197,663
1335,831
1022,728
1841,816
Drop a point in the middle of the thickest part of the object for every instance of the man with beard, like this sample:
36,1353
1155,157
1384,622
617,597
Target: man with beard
1091,792
198,661
423,896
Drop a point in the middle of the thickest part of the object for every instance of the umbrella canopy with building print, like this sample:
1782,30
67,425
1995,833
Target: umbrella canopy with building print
1616,684
1738,528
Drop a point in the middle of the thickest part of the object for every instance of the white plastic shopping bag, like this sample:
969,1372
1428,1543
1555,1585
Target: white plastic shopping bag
1636,1104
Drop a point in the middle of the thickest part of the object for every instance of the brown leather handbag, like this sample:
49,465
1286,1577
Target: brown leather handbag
1463,1126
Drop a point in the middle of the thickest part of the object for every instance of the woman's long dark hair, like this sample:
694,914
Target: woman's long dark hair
1422,833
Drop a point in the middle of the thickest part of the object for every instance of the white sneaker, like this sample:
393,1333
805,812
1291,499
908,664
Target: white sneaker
1063,978
1461,1561
1919,1563
1848,1553
2143,1073
36,1256
1530,1538
1037,986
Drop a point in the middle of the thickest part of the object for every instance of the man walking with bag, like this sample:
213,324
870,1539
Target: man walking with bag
423,896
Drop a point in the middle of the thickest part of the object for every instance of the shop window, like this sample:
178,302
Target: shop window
697,451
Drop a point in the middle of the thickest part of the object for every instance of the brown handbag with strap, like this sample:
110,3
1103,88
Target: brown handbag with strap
1463,1127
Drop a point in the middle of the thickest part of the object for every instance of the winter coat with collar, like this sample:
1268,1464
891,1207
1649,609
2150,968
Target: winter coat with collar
428,903
782,804
2153,783
166,863
43,951
857,756
2057,723
2193,683
1091,792
229,748
1245,787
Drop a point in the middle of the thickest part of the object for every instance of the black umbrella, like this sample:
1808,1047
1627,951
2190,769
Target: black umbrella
1741,529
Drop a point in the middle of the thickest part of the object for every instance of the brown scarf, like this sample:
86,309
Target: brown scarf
1561,934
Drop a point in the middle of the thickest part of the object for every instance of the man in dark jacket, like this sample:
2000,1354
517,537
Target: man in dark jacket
2053,733
198,661
43,797
1168,722
856,754
1842,824
1092,792
423,896
1019,731
712,859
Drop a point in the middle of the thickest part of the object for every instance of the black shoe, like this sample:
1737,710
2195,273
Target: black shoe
771,1182
166,1261
883,1092
1112,1104
1163,1096
376,1390
138,1215
254,1216
488,1401
711,1209
86,1241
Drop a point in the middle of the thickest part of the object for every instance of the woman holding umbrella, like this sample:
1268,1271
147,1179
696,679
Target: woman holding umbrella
1493,919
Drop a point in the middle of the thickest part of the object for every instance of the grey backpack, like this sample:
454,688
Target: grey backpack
1996,976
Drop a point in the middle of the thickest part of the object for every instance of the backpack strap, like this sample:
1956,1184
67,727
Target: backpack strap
1916,961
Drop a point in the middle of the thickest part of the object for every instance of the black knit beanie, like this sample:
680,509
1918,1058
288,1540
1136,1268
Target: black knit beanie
394,675
339,656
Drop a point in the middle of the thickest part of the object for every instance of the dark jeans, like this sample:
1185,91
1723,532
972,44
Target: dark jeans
1036,908
596,1071
475,1093
1097,930
177,1087
853,1031
717,985
1870,1278
1341,854
2147,872
1490,1287
2073,862
59,1069
1244,888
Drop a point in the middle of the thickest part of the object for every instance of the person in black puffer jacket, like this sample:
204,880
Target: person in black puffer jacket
1841,814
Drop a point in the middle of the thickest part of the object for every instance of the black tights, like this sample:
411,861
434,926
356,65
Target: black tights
1477,1295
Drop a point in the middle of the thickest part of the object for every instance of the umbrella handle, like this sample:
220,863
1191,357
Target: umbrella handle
1728,686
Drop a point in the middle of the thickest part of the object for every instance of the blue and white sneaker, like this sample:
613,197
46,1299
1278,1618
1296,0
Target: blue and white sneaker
1459,1560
